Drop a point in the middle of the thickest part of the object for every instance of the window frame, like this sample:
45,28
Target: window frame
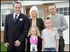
63,12
5,10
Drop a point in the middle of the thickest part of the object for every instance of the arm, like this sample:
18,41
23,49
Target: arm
42,41
24,34
57,44
25,30
42,24
5,34
28,43
5,31
57,40
64,24
42,44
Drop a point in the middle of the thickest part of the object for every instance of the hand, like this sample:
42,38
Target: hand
17,43
42,50
57,50
6,44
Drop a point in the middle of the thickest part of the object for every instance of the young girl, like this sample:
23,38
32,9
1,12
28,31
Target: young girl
34,41
50,36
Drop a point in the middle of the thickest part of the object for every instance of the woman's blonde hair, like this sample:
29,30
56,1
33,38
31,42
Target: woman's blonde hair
34,8
37,30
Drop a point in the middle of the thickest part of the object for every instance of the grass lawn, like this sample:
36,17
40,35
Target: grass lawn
3,48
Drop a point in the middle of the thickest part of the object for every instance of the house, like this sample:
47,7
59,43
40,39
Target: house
62,8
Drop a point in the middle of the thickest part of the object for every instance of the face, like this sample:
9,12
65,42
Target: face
17,8
52,9
48,23
33,31
34,13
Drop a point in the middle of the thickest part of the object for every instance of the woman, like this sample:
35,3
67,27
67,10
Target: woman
34,19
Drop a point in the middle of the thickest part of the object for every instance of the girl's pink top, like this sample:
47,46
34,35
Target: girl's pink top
34,41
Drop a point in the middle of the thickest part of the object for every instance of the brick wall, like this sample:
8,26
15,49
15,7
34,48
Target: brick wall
2,36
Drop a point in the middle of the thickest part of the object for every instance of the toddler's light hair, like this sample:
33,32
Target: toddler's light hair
37,30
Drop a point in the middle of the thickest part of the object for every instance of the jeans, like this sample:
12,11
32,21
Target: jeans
49,50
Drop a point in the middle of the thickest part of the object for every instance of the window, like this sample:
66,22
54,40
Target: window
40,12
40,8
64,11
4,12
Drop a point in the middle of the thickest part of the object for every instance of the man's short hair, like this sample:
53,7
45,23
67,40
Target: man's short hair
17,3
50,4
48,18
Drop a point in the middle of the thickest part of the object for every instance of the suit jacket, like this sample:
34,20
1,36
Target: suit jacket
39,46
15,30
39,23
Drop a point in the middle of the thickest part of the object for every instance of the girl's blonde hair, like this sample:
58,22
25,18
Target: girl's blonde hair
37,30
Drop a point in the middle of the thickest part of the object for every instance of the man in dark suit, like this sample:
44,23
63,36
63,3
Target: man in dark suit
16,28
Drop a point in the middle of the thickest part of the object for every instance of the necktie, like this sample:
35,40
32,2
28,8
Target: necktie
15,18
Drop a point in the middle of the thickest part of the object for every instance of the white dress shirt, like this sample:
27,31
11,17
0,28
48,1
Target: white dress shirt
15,14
